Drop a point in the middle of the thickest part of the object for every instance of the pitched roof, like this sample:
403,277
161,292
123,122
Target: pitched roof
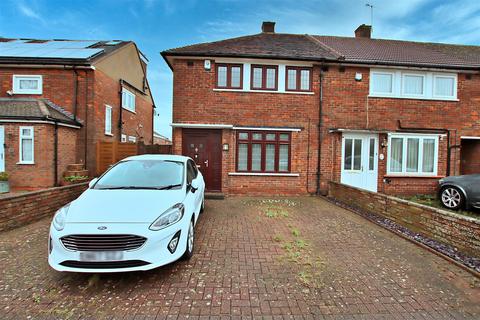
35,109
342,49
75,52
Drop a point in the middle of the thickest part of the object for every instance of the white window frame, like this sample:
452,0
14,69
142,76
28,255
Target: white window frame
21,137
413,74
16,84
132,139
382,94
125,105
448,76
108,112
420,172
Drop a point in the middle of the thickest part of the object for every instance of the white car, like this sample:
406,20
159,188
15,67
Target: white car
138,215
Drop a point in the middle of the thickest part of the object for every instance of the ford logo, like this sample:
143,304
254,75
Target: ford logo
102,228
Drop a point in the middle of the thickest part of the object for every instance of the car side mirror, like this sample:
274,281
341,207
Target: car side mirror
194,186
92,182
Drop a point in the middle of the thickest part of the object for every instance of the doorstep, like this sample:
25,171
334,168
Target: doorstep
214,195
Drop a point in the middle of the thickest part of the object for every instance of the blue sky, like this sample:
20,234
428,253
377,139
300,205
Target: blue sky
156,25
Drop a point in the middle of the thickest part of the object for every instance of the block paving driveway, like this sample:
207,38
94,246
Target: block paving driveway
278,258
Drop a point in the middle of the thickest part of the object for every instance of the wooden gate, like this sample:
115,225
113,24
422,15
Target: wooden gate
110,152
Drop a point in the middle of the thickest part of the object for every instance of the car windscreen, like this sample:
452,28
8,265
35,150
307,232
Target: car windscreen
143,174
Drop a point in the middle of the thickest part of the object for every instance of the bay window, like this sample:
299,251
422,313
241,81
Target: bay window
229,76
263,151
298,79
264,77
412,155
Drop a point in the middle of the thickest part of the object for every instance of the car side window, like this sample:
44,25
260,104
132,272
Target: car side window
195,170
190,173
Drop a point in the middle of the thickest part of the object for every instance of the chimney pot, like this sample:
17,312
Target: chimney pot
363,31
268,27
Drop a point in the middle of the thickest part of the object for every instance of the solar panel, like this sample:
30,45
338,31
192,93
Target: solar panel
50,49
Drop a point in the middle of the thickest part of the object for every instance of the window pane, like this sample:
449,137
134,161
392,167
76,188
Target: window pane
271,78
284,136
292,79
257,136
412,154
305,80
428,155
222,76
270,157
27,150
28,84
243,135
256,157
236,77
283,158
242,156
257,77
413,84
270,136
382,83
347,155
371,158
357,154
26,132
396,154
444,86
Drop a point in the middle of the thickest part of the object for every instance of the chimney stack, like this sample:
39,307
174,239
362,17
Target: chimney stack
268,27
363,31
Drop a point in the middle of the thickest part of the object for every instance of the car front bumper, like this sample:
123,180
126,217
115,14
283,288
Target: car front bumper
152,254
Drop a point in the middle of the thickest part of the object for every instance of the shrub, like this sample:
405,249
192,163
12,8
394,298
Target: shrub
3,176
75,178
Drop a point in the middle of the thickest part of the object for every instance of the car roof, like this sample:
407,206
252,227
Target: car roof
168,157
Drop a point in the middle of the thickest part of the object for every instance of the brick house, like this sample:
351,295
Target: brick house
286,113
160,139
59,97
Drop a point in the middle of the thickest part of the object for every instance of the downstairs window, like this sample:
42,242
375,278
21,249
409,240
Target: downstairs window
263,151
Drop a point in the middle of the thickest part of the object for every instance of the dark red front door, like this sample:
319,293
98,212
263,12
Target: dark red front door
205,148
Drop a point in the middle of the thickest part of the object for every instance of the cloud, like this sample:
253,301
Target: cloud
29,12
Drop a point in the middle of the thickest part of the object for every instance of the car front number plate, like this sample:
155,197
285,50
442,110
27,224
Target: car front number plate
101,256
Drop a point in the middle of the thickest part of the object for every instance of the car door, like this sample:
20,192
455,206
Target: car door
193,197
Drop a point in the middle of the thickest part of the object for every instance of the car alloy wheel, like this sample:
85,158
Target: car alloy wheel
451,198
190,241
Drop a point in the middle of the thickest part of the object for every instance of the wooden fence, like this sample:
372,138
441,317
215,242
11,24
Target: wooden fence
109,153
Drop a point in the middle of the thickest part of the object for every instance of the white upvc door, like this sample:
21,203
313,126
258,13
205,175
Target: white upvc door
360,160
2,149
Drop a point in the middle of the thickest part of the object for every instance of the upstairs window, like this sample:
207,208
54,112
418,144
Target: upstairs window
26,145
381,83
25,84
128,100
444,86
298,79
413,84
264,77
229,76
263,152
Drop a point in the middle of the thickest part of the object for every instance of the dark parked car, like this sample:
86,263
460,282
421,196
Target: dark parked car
460,192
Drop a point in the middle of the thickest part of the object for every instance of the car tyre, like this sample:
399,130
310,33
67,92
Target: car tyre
202,208
190,241
452,198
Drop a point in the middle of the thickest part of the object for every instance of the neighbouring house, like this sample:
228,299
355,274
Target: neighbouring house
286,113
161,139
58,98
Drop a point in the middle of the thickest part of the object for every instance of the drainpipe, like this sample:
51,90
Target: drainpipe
75,94
55,154
120,118
449,148
320,116
86,120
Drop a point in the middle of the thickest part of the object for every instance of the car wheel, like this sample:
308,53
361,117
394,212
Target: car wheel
190,241
452,198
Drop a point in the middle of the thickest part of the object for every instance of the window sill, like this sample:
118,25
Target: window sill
413,98
412,176
264,91
109,134
263,174
129,110
27,163
36,92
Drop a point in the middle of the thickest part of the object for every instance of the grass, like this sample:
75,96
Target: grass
434,202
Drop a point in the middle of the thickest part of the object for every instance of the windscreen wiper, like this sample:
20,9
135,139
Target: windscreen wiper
171,186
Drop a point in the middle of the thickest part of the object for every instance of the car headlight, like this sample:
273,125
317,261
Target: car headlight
60,218
169,217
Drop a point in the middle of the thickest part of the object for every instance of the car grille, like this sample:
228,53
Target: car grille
95,242
104,264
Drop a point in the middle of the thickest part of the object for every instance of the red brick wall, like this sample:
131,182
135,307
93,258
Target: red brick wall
345,105
194,101
18,210
456,230
41,173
